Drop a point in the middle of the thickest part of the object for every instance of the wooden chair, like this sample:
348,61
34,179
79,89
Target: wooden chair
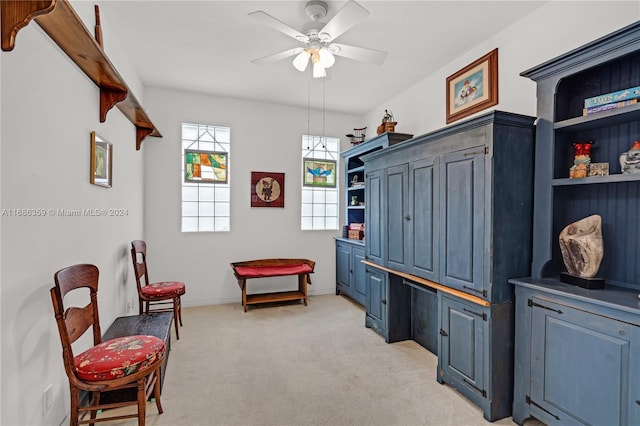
163,296
121,363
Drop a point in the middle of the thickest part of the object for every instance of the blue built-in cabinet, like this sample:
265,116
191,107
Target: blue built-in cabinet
577,351
449,217
350,276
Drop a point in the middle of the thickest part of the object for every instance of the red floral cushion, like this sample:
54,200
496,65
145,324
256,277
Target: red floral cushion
119,357
164,289
272,271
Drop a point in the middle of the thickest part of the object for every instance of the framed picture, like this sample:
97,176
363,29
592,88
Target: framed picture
267,189
598,169
101,161
319,173
205,166
473,88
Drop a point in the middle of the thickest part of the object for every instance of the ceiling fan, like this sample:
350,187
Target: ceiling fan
318,38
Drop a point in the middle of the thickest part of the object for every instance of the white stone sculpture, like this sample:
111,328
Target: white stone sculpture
582,246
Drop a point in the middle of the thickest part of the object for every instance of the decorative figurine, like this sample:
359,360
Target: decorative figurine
388,125
581,160
630,160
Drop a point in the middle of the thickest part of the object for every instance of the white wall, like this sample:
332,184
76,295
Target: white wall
264,137
49,108
552,30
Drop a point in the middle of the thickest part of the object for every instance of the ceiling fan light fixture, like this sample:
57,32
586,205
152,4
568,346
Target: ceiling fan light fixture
301,60
318,70
326,57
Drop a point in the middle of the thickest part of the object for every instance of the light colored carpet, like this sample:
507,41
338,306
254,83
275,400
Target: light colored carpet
297,365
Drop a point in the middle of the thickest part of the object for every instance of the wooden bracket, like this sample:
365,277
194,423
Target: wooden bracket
141,133
16,15
108,99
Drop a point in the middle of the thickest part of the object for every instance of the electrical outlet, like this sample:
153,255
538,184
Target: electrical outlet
47,399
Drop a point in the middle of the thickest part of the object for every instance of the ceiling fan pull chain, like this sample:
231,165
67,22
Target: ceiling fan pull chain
308,111
324,95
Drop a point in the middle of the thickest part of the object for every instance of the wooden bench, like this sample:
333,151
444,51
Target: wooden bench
263,268
156,324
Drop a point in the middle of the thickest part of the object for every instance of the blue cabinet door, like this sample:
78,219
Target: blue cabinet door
358,278
422,227
462,195
343,276
397,189
374,216
461,350
376,301
584,367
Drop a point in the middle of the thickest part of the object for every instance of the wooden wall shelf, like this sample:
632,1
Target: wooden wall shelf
58,19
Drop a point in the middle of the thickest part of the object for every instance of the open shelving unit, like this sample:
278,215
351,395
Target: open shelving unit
570,339
561,200
58,19
354,168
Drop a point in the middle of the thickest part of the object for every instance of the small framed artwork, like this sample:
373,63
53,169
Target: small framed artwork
267,189
101,161
473,88
319,173
205,166
598,169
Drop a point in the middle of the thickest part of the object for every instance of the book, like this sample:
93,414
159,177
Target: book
606,107
608,98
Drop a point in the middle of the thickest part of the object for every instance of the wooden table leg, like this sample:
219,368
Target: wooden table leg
244,294
302,286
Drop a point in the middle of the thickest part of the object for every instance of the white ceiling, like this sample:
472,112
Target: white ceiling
207,46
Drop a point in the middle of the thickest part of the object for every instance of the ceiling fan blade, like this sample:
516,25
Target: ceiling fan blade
278,56
347,17
278,25
361,54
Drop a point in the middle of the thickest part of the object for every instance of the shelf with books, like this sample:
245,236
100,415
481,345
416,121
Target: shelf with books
610,117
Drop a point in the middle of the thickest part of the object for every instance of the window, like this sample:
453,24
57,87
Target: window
206,200
320,204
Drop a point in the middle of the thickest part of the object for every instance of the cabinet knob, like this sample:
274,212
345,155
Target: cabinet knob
407,217
383,301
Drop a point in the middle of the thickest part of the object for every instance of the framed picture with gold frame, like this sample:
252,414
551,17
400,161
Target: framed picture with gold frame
473,88
101,161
